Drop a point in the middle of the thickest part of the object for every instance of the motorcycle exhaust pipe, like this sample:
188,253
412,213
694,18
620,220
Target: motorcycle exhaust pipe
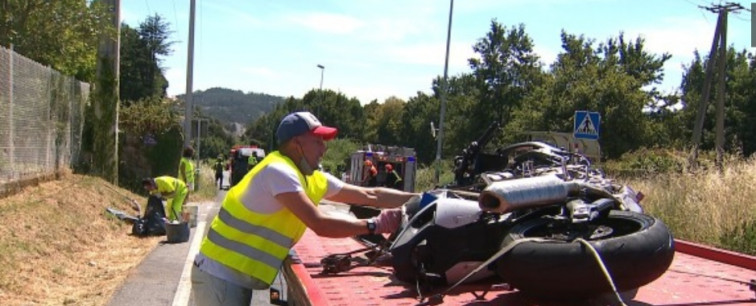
505,196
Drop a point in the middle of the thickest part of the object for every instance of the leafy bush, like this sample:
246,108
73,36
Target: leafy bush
151,143
338,154
426,176
646,161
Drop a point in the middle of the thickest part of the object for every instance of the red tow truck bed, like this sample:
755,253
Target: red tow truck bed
698,276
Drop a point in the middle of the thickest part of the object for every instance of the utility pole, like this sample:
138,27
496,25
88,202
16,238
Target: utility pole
189,72
719,140
105,121
444,87
717,56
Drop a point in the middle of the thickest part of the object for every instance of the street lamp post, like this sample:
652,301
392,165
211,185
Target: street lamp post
322,69
444,86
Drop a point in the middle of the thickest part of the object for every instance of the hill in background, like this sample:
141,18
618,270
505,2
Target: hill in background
233,106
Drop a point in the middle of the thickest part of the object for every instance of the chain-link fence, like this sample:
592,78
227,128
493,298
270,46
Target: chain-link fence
41,118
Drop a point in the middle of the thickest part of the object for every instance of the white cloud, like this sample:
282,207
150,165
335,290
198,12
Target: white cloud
678,36
235,16
430,53
366,94
389,30
547,55
326,22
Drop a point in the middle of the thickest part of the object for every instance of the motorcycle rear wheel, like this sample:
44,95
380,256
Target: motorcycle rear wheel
635,248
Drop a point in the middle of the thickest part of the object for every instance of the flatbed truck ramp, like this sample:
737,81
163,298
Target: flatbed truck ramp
699,275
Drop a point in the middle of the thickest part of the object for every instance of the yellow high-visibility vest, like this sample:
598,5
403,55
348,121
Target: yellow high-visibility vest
252,243
188,171
169,187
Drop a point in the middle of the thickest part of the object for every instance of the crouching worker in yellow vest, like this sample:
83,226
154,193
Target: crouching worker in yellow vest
264,215
171,189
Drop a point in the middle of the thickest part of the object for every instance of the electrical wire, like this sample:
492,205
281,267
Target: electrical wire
175,19
201,32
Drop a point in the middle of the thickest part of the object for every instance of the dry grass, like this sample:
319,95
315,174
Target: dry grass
58,246
707,207
207,187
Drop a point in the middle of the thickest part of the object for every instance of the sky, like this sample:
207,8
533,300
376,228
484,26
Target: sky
376,49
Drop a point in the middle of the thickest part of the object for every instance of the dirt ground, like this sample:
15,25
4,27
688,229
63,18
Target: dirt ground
59,246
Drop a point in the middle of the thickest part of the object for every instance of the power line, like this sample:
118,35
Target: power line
175,18
201,26
742,19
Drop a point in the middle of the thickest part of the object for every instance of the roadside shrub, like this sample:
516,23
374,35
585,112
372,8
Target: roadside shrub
644,162
338,155
151,142
426,176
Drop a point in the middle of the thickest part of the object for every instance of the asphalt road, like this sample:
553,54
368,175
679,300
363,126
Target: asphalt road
164,276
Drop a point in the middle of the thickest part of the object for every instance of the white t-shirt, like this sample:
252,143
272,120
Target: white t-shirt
274,179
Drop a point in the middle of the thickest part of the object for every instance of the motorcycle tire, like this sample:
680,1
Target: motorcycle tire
635,248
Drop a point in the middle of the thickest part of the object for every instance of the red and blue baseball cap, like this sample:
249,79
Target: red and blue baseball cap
298,123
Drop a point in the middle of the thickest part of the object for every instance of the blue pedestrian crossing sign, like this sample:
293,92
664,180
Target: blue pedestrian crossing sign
587,124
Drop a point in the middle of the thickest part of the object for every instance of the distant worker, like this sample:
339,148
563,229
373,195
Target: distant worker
393,179
219,165
264,216
171,189
252,160
238,167
186,168
369,174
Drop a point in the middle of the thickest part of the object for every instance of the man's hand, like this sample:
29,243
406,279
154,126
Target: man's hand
388,221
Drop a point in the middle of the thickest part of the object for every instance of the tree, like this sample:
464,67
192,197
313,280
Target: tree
740,108
154,32
610,79
461,125
384,121
506,70
141,75
415,131
151,144
264,128
335,109
62,34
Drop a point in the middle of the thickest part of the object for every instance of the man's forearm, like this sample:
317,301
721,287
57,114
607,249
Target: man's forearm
390,198
333,227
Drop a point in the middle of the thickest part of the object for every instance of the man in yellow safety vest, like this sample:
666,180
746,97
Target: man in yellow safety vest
186,168
171,189
266,213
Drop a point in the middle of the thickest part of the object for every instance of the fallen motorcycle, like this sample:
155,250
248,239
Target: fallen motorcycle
540,218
